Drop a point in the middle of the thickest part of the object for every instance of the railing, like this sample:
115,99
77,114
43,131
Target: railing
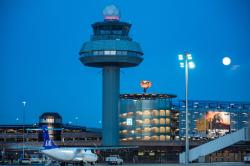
161,143
110,37
217,144
18,135
111,53
35,145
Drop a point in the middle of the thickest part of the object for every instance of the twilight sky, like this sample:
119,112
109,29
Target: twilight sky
40,41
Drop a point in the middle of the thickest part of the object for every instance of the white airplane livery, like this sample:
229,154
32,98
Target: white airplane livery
82,155
67,154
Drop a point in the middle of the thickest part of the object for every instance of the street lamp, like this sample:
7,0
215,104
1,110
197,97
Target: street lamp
76,118
186,61
24,104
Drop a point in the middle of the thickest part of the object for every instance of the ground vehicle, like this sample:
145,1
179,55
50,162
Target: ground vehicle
35,159
24,161
114,159
247,158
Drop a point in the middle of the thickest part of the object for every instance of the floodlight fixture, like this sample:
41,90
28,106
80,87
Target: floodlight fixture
191,65
180,57
189,56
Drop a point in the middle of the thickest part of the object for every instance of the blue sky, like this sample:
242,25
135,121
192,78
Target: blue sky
40,41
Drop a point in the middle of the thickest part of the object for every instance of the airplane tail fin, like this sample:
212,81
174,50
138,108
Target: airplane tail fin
47,142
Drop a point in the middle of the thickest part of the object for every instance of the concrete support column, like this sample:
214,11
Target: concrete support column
110,112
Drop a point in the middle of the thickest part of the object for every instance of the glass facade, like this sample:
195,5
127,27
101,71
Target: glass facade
147,117
154,117
112,52
111,31
212,119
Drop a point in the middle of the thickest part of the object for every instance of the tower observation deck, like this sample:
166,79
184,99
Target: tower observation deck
111,48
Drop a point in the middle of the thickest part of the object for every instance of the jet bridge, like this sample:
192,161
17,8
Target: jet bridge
217,144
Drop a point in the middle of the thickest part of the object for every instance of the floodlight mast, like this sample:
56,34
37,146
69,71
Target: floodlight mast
24,105
186,61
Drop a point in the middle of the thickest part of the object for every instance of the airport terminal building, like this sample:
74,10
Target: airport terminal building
153,122
12,142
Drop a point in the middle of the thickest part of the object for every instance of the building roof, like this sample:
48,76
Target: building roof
54,114
147,96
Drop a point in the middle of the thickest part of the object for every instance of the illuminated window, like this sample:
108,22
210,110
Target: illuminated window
138,122
155,129
50,120
167,121
123,123
146,113
155,138
167,129
155,121
167,112
146,121
146,130
151,154
162,121
130,138
138,138
129,121
146,138
155,113
106,52
162,130
124,131
113,52
124,115
162,113
162,137
139,113
140,153
167,137
138,131
129,114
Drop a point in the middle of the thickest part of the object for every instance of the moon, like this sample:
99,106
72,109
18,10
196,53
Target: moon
226,61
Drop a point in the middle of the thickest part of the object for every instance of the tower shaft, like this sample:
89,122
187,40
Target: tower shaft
110,119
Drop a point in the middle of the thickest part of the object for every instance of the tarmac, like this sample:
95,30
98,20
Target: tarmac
166,164
191,164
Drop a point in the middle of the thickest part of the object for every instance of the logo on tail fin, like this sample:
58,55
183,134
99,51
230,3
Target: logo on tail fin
47,142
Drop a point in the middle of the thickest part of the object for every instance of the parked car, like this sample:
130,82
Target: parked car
114,159
35,160
247,158
24,161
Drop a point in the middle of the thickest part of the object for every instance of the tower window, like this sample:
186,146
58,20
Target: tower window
107,52
112,52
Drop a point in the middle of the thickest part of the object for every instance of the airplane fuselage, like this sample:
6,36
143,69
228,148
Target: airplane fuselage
71,154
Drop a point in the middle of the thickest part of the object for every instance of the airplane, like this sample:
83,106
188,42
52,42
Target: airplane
81,155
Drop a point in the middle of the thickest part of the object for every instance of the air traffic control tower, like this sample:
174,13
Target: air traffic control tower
111,48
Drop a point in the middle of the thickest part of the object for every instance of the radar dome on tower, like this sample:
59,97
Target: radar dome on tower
111,13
